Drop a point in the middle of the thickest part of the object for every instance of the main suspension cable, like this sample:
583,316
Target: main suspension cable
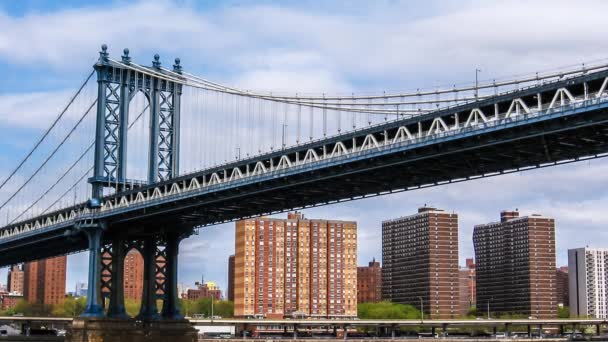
50,156
47,132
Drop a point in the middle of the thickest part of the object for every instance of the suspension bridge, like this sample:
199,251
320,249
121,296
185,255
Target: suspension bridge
146,154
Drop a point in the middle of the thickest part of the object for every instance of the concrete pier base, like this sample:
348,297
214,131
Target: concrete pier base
114,330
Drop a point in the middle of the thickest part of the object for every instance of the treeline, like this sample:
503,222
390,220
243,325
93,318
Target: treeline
73,307
387,310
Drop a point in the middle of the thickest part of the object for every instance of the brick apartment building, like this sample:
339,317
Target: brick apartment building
369,283
44,280
420,261
295,266
515,265
14,280
561,286
230,292
133,278
133,274
466,286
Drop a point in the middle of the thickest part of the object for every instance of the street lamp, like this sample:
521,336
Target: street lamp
212,298
421,309
492,298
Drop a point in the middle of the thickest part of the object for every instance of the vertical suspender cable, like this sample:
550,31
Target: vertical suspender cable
299,121
260,134
324,116
250,126
311,123
273,113
339,116
354,118
284,128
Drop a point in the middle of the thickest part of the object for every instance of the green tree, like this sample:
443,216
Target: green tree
224,308
132,306
563,312
34,310
72,307
387,310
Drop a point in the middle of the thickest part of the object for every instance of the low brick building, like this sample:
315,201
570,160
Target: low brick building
369,283
9,300
206,290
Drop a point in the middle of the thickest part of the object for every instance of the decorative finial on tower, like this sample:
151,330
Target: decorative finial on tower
156,62
177,67
103,54
125,57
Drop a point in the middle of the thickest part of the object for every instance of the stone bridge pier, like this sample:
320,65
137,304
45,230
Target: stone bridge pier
106,266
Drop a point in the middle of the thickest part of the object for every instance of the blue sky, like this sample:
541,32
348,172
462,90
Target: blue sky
48,47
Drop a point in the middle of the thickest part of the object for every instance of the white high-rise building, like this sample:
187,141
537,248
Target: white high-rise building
587,278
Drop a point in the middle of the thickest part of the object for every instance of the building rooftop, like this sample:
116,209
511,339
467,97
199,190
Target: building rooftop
421,211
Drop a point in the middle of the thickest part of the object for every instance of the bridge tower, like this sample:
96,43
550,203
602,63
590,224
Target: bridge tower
118,83
117,86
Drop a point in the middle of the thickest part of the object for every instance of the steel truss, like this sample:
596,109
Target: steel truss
118,85
586,93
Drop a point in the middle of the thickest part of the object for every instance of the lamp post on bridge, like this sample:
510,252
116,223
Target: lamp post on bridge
477,71
283,136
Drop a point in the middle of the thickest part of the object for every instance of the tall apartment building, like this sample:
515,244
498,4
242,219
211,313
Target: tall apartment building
295,266
230,292
44,280
133,278
588,282
420,261
515,265
467,287
14,280
562,288
369,283
80,290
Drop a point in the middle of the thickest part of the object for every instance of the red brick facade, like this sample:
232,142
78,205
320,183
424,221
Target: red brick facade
15,280
44,280
420,261
133,275
515,264
467,287
204,291
230,291
562,286
295,267
369,283
9,301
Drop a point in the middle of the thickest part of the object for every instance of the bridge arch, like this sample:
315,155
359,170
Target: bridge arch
138,134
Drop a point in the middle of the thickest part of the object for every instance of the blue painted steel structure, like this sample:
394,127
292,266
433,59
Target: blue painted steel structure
548,124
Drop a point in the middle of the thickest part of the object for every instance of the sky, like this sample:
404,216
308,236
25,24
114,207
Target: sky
48,47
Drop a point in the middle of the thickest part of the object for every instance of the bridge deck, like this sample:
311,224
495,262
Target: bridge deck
551,124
